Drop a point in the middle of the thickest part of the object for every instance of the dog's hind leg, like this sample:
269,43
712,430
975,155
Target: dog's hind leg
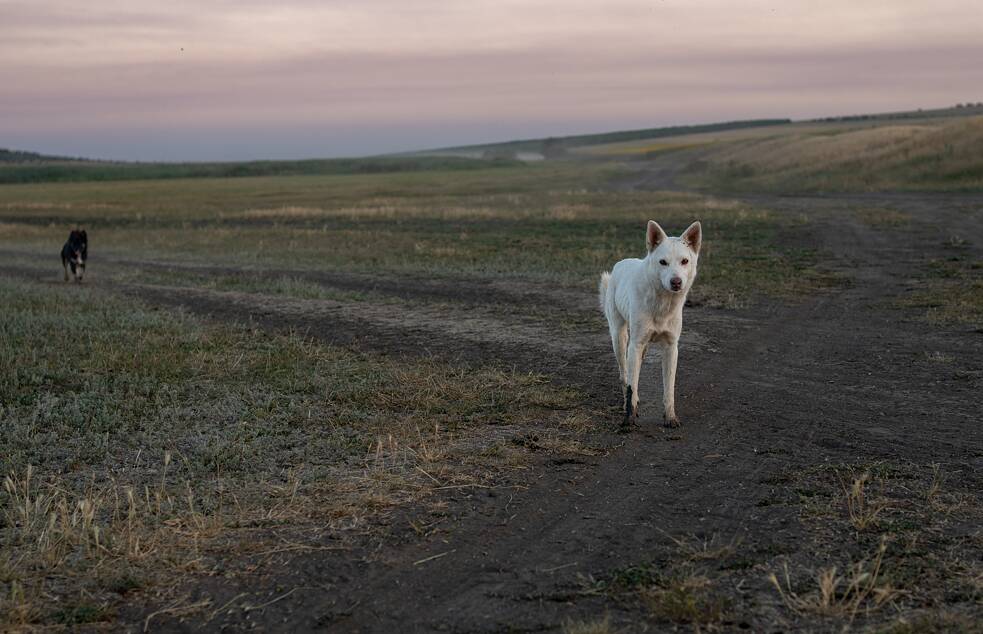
64,265
618,328
619,341
670,356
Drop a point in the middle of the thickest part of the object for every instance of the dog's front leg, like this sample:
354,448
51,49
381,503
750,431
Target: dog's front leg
636,351
670,355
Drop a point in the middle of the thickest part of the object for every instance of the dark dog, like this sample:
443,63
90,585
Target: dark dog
73,254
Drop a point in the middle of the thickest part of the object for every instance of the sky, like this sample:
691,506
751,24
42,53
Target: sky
251,79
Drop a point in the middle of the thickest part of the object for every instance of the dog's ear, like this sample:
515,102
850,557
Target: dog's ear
654,235
693,236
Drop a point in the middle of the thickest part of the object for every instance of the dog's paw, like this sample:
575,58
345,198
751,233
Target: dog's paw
631,418
672,422
628,421
628,425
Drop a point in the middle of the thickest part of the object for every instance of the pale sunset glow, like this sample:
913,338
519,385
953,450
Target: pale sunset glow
182,80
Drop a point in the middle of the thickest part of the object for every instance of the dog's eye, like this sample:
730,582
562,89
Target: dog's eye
663,263
684,262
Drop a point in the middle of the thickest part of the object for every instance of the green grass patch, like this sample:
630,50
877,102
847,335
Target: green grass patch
674,591
950,292
685,600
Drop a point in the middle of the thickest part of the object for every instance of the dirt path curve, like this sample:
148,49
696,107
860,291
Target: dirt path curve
833,379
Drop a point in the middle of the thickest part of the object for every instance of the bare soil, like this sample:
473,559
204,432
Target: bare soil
841,377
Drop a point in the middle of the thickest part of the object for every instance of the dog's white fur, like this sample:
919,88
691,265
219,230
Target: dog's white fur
643,302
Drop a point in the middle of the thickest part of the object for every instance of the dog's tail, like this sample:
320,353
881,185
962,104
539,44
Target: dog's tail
603,288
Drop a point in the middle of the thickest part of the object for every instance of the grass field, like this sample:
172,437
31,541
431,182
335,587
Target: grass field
550,221
273,365
140,446
146,463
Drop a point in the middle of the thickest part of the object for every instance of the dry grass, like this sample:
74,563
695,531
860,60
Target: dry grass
55,535
645,146
859,589
646,149
883,217
933,490
594,626
862,511
894,156
907,548
713,548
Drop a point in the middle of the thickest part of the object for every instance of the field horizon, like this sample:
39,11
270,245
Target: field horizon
535,144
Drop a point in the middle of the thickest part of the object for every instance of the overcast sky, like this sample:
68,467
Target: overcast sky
241,79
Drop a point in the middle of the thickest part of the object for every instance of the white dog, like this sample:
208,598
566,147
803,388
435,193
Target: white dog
643,302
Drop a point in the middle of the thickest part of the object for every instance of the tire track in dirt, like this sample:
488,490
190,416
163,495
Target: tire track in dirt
406,286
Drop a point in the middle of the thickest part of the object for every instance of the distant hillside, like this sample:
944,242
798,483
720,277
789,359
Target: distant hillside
555,147
58,171
19,156
550,147
838,151
968,109
898,155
